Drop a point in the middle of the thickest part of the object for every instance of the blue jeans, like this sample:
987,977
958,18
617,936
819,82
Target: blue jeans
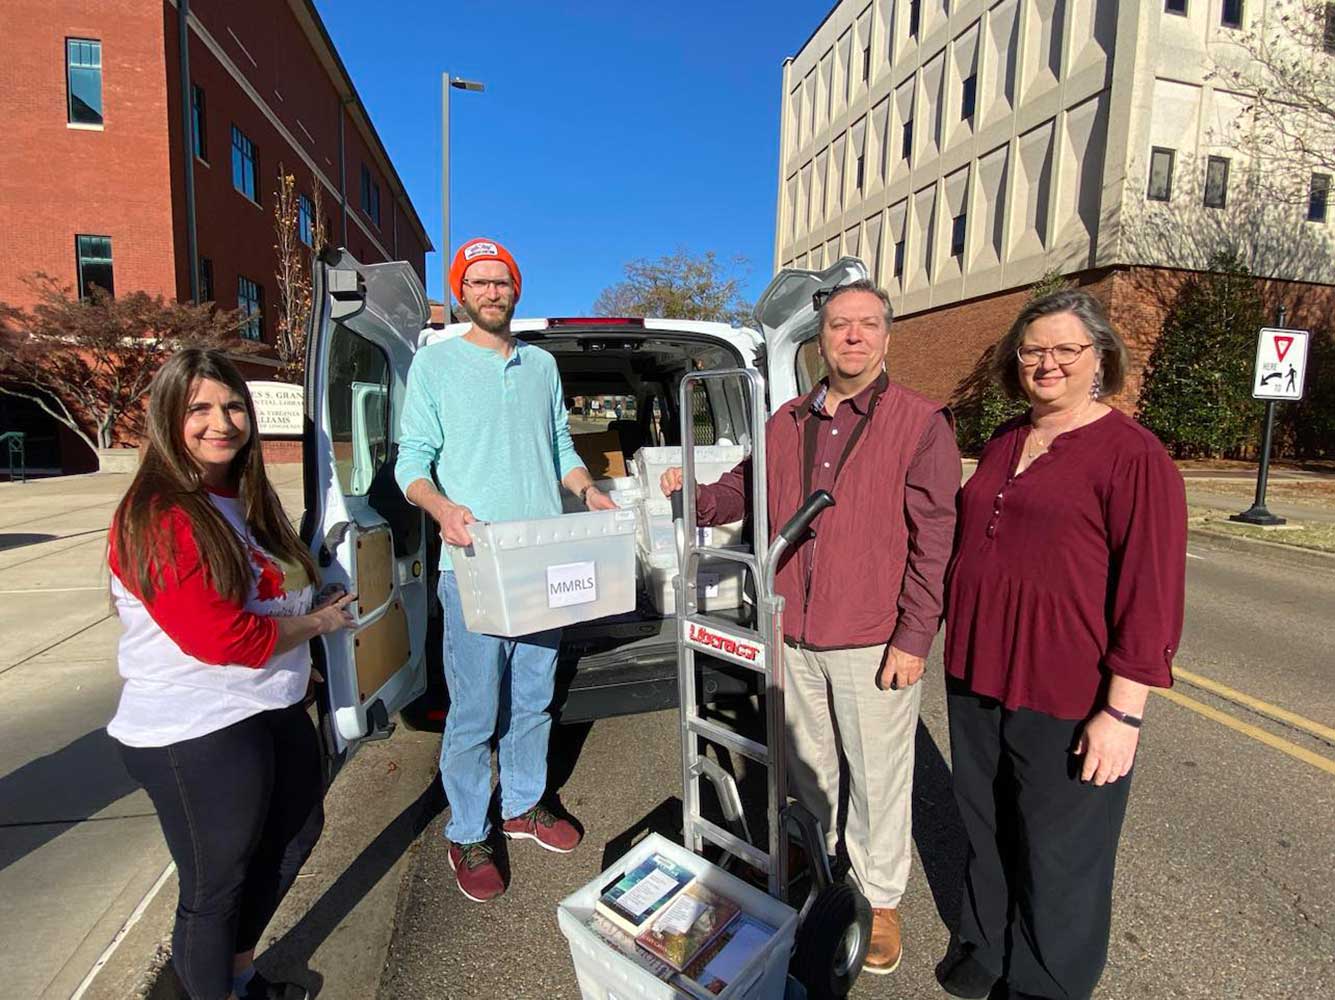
497,686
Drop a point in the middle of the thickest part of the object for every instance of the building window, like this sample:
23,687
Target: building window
93,262
370,195
1161,174
899,259
1316,199
968,97
915,17
199,121
860,174
1232,14
906,143
1216,182
306,220
83,80
205,279
250,300
957,228
1176,7
866,64
1328,35
245,165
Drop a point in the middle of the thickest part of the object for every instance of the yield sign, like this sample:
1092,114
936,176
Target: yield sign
1282,345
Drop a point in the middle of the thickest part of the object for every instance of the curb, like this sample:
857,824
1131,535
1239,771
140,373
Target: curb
1313,558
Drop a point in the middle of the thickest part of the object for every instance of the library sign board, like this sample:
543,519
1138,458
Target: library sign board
280,408
1281,364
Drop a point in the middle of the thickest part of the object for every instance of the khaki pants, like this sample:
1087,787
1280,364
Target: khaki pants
834,708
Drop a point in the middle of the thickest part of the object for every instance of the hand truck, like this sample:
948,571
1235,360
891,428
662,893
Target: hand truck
835,920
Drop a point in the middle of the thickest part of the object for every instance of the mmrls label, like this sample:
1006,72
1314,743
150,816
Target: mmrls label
570,584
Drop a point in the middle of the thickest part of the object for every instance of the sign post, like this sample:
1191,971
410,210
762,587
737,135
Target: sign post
1281,367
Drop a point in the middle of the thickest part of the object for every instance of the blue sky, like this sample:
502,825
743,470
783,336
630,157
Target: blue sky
609,130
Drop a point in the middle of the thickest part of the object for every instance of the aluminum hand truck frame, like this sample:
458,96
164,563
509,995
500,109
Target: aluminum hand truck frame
835,919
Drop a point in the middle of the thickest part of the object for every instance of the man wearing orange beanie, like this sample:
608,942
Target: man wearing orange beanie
487,413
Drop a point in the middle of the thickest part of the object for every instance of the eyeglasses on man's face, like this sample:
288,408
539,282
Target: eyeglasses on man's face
485,284
1063,354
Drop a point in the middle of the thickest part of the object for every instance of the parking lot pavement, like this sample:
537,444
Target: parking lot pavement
1225,887
79,843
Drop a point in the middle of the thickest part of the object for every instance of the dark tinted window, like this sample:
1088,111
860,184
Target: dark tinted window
1232,14
245,165
1216,182
968,96
250,300
1319,195
199,121
93,256
83,78
957,230
1161,175
1175,6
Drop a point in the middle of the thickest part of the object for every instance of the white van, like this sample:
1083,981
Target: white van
367,322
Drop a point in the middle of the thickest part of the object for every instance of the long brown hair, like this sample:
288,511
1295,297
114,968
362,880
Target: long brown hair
169,478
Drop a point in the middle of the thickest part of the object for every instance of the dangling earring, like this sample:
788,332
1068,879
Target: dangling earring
1096,387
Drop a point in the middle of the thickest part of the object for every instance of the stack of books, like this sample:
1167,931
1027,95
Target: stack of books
683,932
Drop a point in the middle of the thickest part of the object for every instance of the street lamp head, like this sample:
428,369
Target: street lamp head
473,85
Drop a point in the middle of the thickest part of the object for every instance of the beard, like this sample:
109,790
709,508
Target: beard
492,322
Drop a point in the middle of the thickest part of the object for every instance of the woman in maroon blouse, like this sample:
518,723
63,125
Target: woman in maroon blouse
1063,608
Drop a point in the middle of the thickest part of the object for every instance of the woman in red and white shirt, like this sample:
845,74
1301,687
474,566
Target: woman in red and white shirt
215,592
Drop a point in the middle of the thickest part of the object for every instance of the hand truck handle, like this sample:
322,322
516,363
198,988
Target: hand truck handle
678,505
798,524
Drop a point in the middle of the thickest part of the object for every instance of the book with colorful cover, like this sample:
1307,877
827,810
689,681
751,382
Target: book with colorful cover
636,898
690,922
624,943
718,963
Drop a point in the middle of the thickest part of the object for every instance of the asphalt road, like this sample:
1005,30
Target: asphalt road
1225,884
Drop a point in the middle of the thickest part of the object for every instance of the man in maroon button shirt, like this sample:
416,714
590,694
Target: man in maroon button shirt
862,592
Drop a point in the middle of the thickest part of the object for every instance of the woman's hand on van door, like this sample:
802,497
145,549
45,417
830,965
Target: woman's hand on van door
453,525
670,481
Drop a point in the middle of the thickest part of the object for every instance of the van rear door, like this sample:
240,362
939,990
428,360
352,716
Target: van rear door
787,319
365,321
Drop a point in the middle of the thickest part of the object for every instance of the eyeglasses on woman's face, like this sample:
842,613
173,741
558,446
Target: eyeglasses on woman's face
1063,354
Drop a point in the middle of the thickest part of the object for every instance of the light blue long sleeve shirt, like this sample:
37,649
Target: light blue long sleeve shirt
494,429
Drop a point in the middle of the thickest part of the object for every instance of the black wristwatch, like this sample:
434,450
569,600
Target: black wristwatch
1133,721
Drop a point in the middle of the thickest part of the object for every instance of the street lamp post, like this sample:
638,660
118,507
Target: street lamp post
446,83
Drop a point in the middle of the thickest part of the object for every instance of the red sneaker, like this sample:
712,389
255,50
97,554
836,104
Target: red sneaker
479,878
548,829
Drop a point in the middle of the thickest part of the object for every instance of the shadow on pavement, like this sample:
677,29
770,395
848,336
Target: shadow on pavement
45,797
664,819
18,539
291,954
937,828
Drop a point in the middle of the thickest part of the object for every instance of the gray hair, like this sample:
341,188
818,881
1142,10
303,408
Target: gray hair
1113,359
861,285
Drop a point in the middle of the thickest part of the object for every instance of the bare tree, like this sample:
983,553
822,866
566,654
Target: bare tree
678,285
88,363
293,273
1283,71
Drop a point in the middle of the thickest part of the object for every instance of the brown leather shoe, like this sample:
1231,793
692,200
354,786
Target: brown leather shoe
886,947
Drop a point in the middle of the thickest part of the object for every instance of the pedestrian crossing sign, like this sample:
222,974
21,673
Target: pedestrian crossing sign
1281,364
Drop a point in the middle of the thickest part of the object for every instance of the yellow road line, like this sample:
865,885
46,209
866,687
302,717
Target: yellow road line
1257,705
1247,729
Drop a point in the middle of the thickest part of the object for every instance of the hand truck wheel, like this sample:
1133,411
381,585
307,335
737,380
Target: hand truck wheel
832,942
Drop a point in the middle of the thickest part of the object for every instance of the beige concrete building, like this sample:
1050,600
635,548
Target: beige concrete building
964,147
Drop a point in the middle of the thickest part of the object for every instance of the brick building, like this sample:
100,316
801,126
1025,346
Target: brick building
93,182
963,149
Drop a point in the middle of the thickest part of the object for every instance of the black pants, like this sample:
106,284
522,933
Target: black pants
1038,883
241,809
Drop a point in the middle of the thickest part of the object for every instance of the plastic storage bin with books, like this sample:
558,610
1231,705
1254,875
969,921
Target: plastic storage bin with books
719,584
520,577
625,492
663,923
